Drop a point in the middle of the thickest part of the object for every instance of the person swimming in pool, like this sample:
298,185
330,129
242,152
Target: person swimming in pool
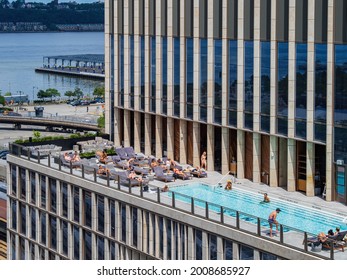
266,198
272,220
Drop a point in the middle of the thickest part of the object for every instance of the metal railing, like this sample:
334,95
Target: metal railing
259,227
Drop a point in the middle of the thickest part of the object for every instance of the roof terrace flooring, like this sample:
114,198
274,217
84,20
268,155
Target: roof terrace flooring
203,211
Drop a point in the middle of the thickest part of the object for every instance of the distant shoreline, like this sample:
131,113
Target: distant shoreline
50,31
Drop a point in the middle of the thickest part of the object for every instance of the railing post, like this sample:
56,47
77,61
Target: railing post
38,157
258,226
158,195
70,167
305,241
94,175
20,151
108,179
222,214
59,161
29,152
129,186
206,210
118,183
49,160
192,204
82,171
141,190
237,219
332,249
173,200
281,233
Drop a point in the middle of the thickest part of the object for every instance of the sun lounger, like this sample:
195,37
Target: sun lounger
140,170
159,174
130,152
123,164
122,153
66,163
337,242
199,173
122,176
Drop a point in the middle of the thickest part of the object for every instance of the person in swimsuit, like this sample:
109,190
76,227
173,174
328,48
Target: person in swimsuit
272,220
266,198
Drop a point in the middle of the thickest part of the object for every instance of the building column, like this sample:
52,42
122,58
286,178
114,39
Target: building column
157,236
310,168
220,251
204,246
210,147
170,137
127,69
144,241
273,161
183,141
330,182
151,234
137,67
196,144
225,150
158,137
165,235
291,168
190,244
240,154
117,132
137,132
256,157
183,63
158,69
127,128
196,61
148,130
236,251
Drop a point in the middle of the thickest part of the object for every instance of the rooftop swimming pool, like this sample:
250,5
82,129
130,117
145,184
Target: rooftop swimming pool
292,215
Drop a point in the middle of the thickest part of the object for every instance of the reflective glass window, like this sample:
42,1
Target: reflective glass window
203,80
101,213
153,74
33,187
76,243
176,67
101,248
76,202
33,223
301,91
248,93
22,182
121,71
65,240
340,113
218,58
134,229
189,77
246,253
53,232
142,76
132,72
87,205
282,89
43,227
64,199
87,238
232,90
23,218
198,244
53,195
14,179
164,75
14,214
320,98
43,191
265,75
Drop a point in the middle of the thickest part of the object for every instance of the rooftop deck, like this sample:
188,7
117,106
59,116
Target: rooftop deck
294,238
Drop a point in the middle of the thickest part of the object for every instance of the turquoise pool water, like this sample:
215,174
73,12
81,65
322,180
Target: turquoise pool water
292,215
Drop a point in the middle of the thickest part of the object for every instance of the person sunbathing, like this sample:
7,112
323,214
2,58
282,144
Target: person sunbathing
103,157
75,157
132,175
67,156
178,173
102,170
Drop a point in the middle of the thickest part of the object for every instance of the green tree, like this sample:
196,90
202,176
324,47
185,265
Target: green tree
8,94
69,94
78,92
99,92
2,100
52,93
41,94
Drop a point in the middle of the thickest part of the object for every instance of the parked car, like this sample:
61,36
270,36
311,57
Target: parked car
99,100
85,103
76,103
3,154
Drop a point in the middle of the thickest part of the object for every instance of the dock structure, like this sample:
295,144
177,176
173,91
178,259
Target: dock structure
81,65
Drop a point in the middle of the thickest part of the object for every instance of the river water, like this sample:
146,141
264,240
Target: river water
21,53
